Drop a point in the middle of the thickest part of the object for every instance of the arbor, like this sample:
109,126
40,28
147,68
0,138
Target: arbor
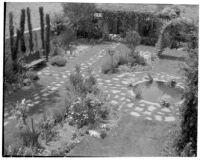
179,29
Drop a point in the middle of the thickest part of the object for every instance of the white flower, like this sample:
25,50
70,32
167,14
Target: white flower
23,101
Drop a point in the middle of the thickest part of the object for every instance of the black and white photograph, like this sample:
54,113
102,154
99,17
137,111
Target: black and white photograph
99,79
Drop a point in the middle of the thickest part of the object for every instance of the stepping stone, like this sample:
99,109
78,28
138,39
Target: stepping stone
54,88
45,94
142,104
148,118
166,110
169,119
128,100
30,105
36,102
123,94
116,79
123,98
39,73
5,123
115,91
6,114
147,113
107,81
36,97
58,85
116,96
125,82
11,117
64,76
160,113
151,108
130,105
138,109
158,117
135,114
29,101
114,102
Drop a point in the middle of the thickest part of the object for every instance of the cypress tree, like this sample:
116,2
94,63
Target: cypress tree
47,36
22,25
11,29
30,29
42,26
15,51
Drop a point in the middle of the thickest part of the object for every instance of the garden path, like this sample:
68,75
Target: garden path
148,118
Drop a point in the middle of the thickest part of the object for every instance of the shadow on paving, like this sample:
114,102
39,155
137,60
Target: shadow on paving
132,137
174,58
28,94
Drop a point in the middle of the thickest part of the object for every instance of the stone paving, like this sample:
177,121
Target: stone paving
115,87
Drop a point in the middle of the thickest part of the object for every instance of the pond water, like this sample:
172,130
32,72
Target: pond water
153,91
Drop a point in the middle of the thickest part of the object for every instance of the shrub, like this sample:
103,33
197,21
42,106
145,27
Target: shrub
32,75
103,134
59,61
67,37
46,125
132,39
187,141
85,108
58,51
58,114
28,134
81,16
59,23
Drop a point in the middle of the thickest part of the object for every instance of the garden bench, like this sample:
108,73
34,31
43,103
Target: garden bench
31,60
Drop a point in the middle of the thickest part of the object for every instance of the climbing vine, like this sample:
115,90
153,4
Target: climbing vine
176,30
146,24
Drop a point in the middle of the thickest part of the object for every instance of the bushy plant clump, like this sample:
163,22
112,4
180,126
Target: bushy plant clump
59,61
81,18
132,39
88,101
187,141
28,134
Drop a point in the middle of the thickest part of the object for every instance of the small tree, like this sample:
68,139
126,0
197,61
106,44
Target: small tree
11,29
30,29
132,39
47,36
67,37
22,25
42,26
80,14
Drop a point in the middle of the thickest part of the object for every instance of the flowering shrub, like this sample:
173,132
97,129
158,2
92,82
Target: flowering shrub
85,111
88,100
